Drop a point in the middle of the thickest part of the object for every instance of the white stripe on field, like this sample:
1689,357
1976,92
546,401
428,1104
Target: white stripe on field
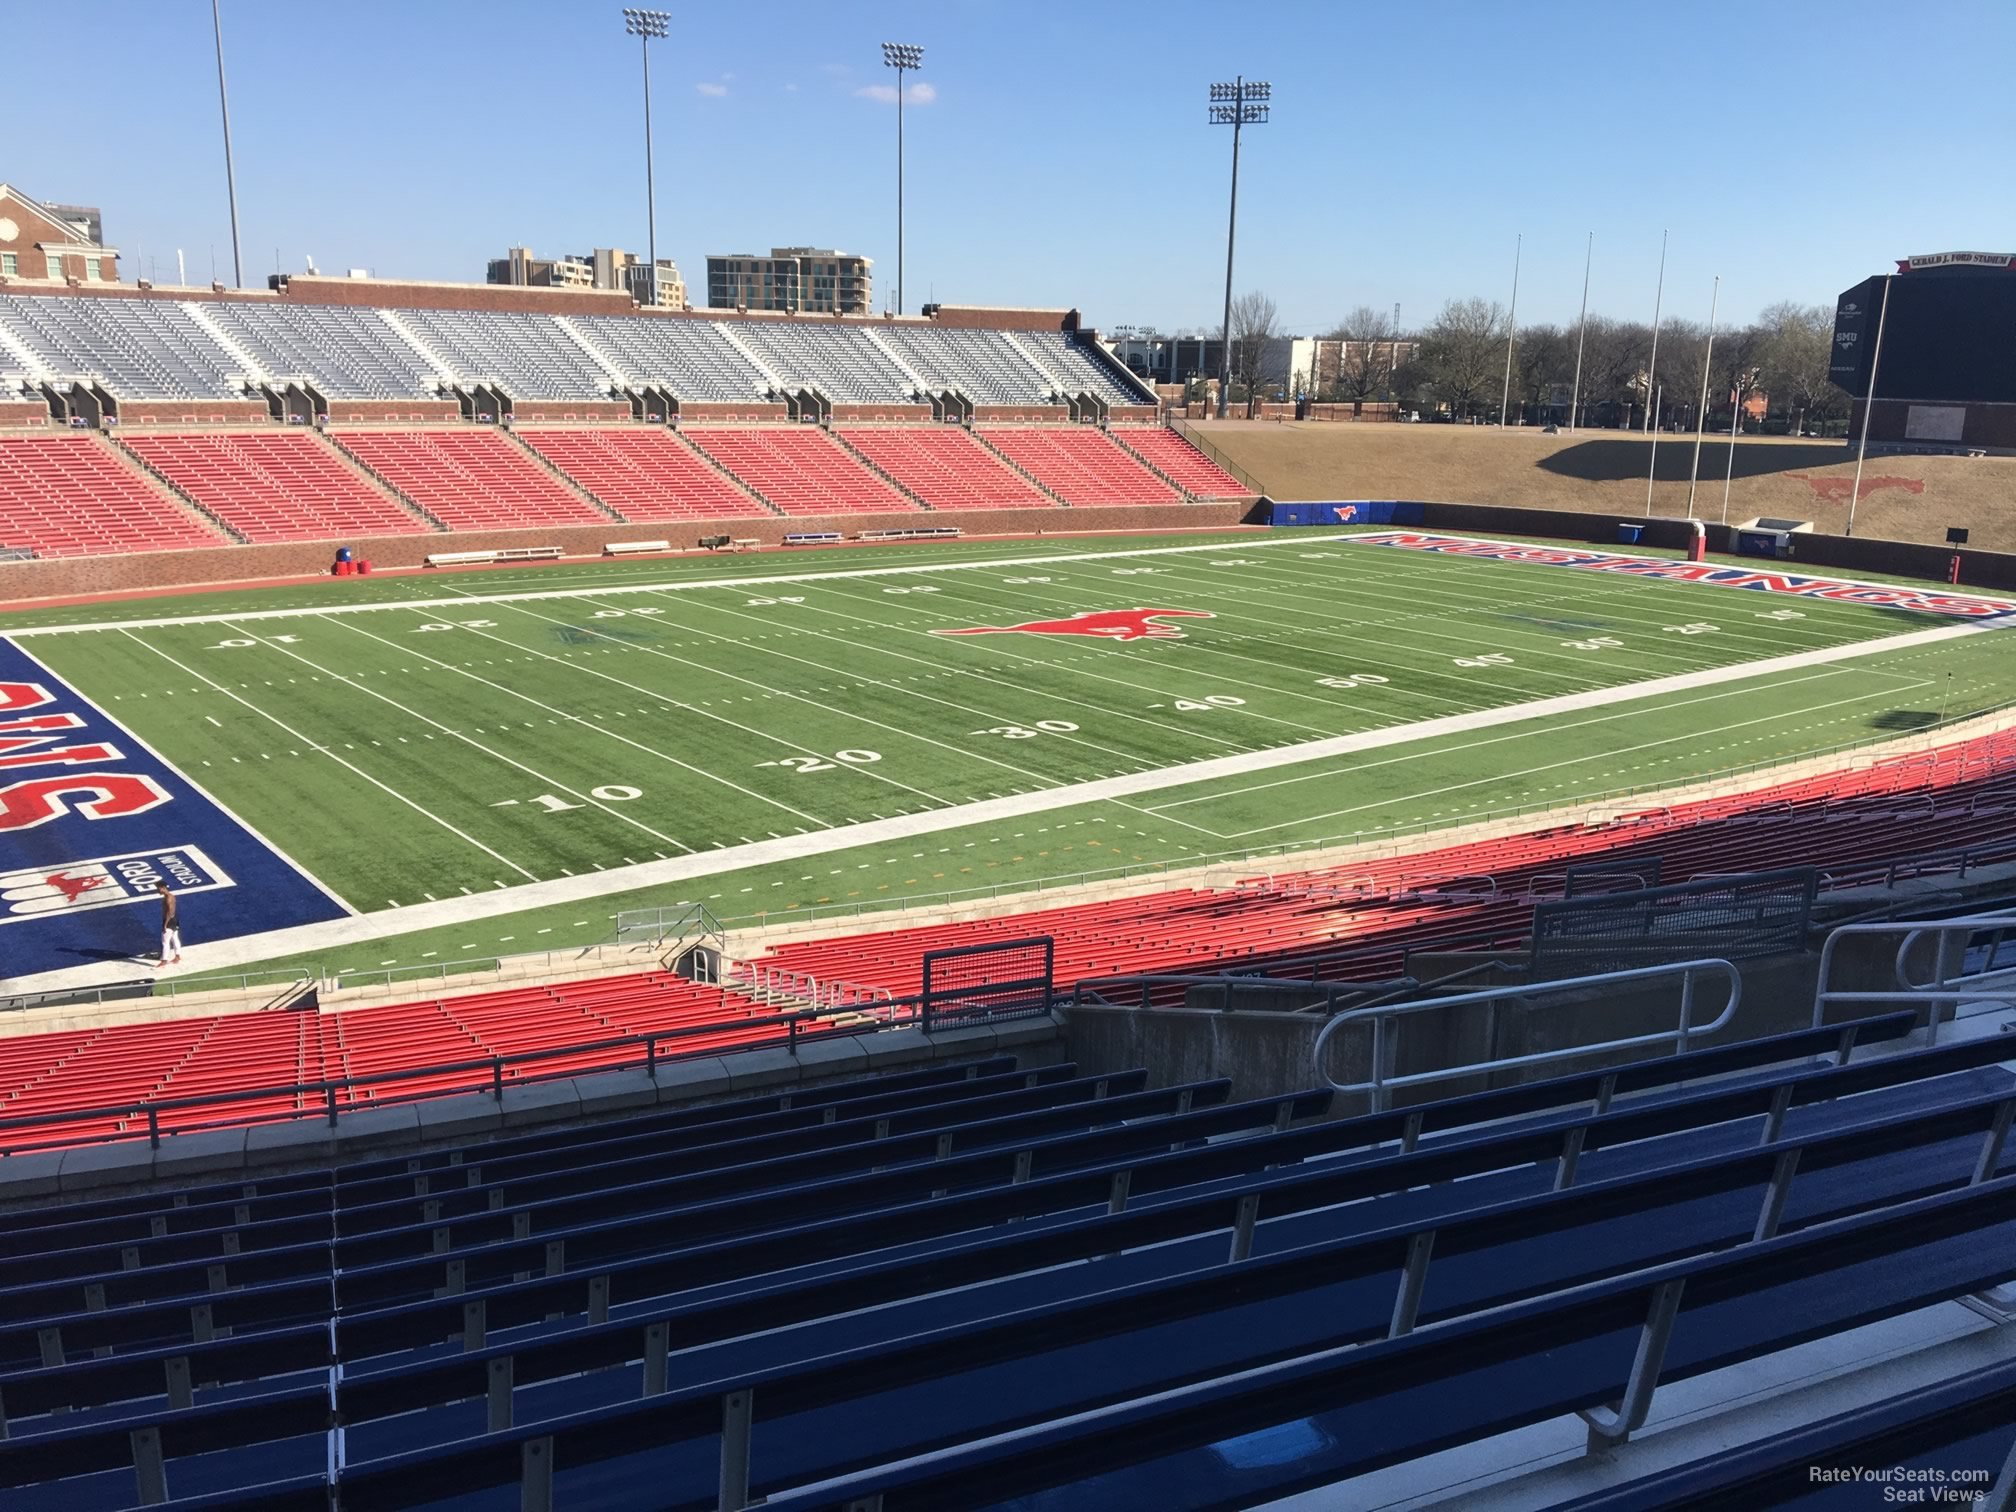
462,910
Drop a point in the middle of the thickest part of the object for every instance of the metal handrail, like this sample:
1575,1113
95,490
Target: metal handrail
1994,985
1385,1043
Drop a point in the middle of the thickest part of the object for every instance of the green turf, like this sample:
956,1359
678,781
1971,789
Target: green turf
636,712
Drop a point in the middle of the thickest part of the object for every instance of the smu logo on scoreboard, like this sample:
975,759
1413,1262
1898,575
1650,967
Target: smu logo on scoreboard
105,882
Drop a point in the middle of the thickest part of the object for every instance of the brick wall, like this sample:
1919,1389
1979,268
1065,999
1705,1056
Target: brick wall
570,409
910,412
22,582
985,413
141,414
749,411
23,412
375,410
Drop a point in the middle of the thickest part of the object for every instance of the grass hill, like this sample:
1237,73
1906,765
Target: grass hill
1903,498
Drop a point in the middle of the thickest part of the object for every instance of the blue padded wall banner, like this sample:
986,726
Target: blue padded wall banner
1354,512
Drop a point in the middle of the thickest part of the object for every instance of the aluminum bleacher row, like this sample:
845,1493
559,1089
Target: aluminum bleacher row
54,1073
275,485
68,495
75,496
975,1287
1913,814
1353,924
166,348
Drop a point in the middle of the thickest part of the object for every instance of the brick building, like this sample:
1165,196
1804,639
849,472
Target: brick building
44,243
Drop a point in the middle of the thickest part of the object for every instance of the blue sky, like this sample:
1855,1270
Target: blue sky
1064,158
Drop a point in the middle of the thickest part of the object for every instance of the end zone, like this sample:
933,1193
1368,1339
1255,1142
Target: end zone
91,818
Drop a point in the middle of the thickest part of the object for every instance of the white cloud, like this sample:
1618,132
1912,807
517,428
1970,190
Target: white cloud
885,94
712,91
790,89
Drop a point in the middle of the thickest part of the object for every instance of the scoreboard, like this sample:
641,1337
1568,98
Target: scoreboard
1949,333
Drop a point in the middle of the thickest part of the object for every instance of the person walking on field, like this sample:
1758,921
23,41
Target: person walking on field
171,927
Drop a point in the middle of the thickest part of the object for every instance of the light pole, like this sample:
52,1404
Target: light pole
1701,409
644,25
904,57
1581,333
1868,407
1238,104
1511,332
230,178
1658,299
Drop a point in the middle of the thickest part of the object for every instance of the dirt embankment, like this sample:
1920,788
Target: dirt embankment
1903,498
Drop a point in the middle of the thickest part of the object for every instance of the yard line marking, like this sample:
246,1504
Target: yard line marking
533,772
1058,664
326,751
964,708
1623,591
596,729
1776,716
814,703
419,916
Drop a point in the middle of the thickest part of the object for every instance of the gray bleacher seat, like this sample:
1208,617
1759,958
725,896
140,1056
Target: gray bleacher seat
982,364
1077,367
844,364
689,357
346,352
531,355
139,348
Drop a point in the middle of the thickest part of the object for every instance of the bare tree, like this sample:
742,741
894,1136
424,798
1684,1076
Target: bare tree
1255,325
1613,367
1796,343
1543,361
1365,361
1463,351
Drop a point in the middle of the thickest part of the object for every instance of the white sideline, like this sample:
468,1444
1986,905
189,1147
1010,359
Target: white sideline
300,939
678,585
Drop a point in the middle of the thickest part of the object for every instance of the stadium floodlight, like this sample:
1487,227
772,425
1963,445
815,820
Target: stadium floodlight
1239,104
230,178
645,25
904,57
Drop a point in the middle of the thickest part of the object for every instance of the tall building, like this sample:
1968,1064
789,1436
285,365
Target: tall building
56,243
604,268
809,280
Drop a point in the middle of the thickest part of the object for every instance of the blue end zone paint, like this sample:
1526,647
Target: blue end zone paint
1356,512
75,889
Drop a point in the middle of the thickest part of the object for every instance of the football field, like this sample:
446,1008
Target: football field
480,763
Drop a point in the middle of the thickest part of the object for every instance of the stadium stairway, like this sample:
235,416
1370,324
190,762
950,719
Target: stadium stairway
645,474
275,485
473,479
75,495
799,469
803,1329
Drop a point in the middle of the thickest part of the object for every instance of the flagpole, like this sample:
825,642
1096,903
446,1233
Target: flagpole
1701,411
1511,330
1652,366
1581,333
1868,406
1735,423
1652,470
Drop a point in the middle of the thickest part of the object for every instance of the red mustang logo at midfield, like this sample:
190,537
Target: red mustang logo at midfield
1108,624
